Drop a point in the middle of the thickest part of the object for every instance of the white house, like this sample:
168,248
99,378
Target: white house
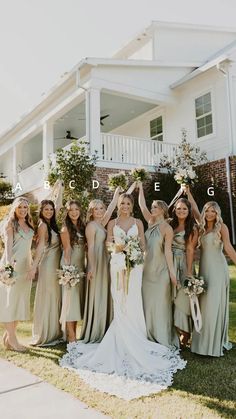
132,106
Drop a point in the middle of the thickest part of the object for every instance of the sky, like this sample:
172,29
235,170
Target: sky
40,40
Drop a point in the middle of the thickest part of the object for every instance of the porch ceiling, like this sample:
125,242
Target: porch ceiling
120,109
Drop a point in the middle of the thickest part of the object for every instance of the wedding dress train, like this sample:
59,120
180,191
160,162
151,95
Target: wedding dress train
125,363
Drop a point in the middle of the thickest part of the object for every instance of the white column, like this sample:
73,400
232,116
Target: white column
87,114
14,166
47,144
93,118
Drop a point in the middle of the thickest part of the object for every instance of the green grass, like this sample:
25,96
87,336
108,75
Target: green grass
205,389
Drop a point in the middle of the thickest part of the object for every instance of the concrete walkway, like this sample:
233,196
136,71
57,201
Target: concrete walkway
25,396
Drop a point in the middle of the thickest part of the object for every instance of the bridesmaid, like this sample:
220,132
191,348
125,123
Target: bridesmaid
183,246
73,242
214,303
47,304
18,233
98,304
158,273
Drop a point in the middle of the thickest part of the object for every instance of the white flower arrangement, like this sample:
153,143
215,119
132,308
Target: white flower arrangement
194,285
7,274
69,276
186,158
117,179
185,176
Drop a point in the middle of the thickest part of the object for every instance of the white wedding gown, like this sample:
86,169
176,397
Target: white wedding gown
125,364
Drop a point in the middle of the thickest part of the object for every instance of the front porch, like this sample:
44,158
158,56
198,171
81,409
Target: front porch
118,152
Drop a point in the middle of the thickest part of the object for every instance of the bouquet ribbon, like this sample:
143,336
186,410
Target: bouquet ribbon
65,307
196,313
179,193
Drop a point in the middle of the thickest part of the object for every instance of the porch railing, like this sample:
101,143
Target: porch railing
133,150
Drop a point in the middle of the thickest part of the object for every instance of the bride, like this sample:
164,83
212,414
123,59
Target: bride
125,363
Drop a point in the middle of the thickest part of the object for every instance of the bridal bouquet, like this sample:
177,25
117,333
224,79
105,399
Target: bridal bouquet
69,276
117,179
139,173
126,254
194,286
7,275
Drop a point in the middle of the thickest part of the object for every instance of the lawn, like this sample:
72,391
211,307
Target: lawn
205,389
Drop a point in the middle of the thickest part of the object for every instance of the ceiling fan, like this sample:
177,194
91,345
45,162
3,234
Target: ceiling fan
101,118
68,136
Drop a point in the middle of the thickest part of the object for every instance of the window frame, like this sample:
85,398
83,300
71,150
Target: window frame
212,113
152,118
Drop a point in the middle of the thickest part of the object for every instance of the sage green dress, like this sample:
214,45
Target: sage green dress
182,313
47,304
156,291
75,307
214,303
15,300
98,304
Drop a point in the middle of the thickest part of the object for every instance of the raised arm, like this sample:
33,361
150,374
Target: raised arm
111,206
110,237
196,212
65,239
142,203
42,234
59,197
229,250
90,236
190,248
169,255
141,234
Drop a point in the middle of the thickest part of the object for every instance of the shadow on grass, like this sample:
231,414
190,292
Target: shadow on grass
210,378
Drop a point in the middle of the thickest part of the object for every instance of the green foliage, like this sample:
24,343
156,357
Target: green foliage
74,164
6,195
186,156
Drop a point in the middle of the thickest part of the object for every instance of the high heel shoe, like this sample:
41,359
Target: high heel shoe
5,341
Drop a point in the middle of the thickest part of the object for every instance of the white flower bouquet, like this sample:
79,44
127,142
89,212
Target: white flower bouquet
7,274
117,179
185,176
69,276
194,285
139,173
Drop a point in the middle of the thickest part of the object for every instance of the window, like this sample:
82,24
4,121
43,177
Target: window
203,111
156,129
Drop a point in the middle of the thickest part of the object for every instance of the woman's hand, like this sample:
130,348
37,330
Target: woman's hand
173,279
89,275
31,274
185,189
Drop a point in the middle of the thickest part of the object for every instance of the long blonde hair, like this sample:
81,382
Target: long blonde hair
12,220
120,199
92,205
203,222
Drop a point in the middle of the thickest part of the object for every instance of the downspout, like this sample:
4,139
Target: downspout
227,159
